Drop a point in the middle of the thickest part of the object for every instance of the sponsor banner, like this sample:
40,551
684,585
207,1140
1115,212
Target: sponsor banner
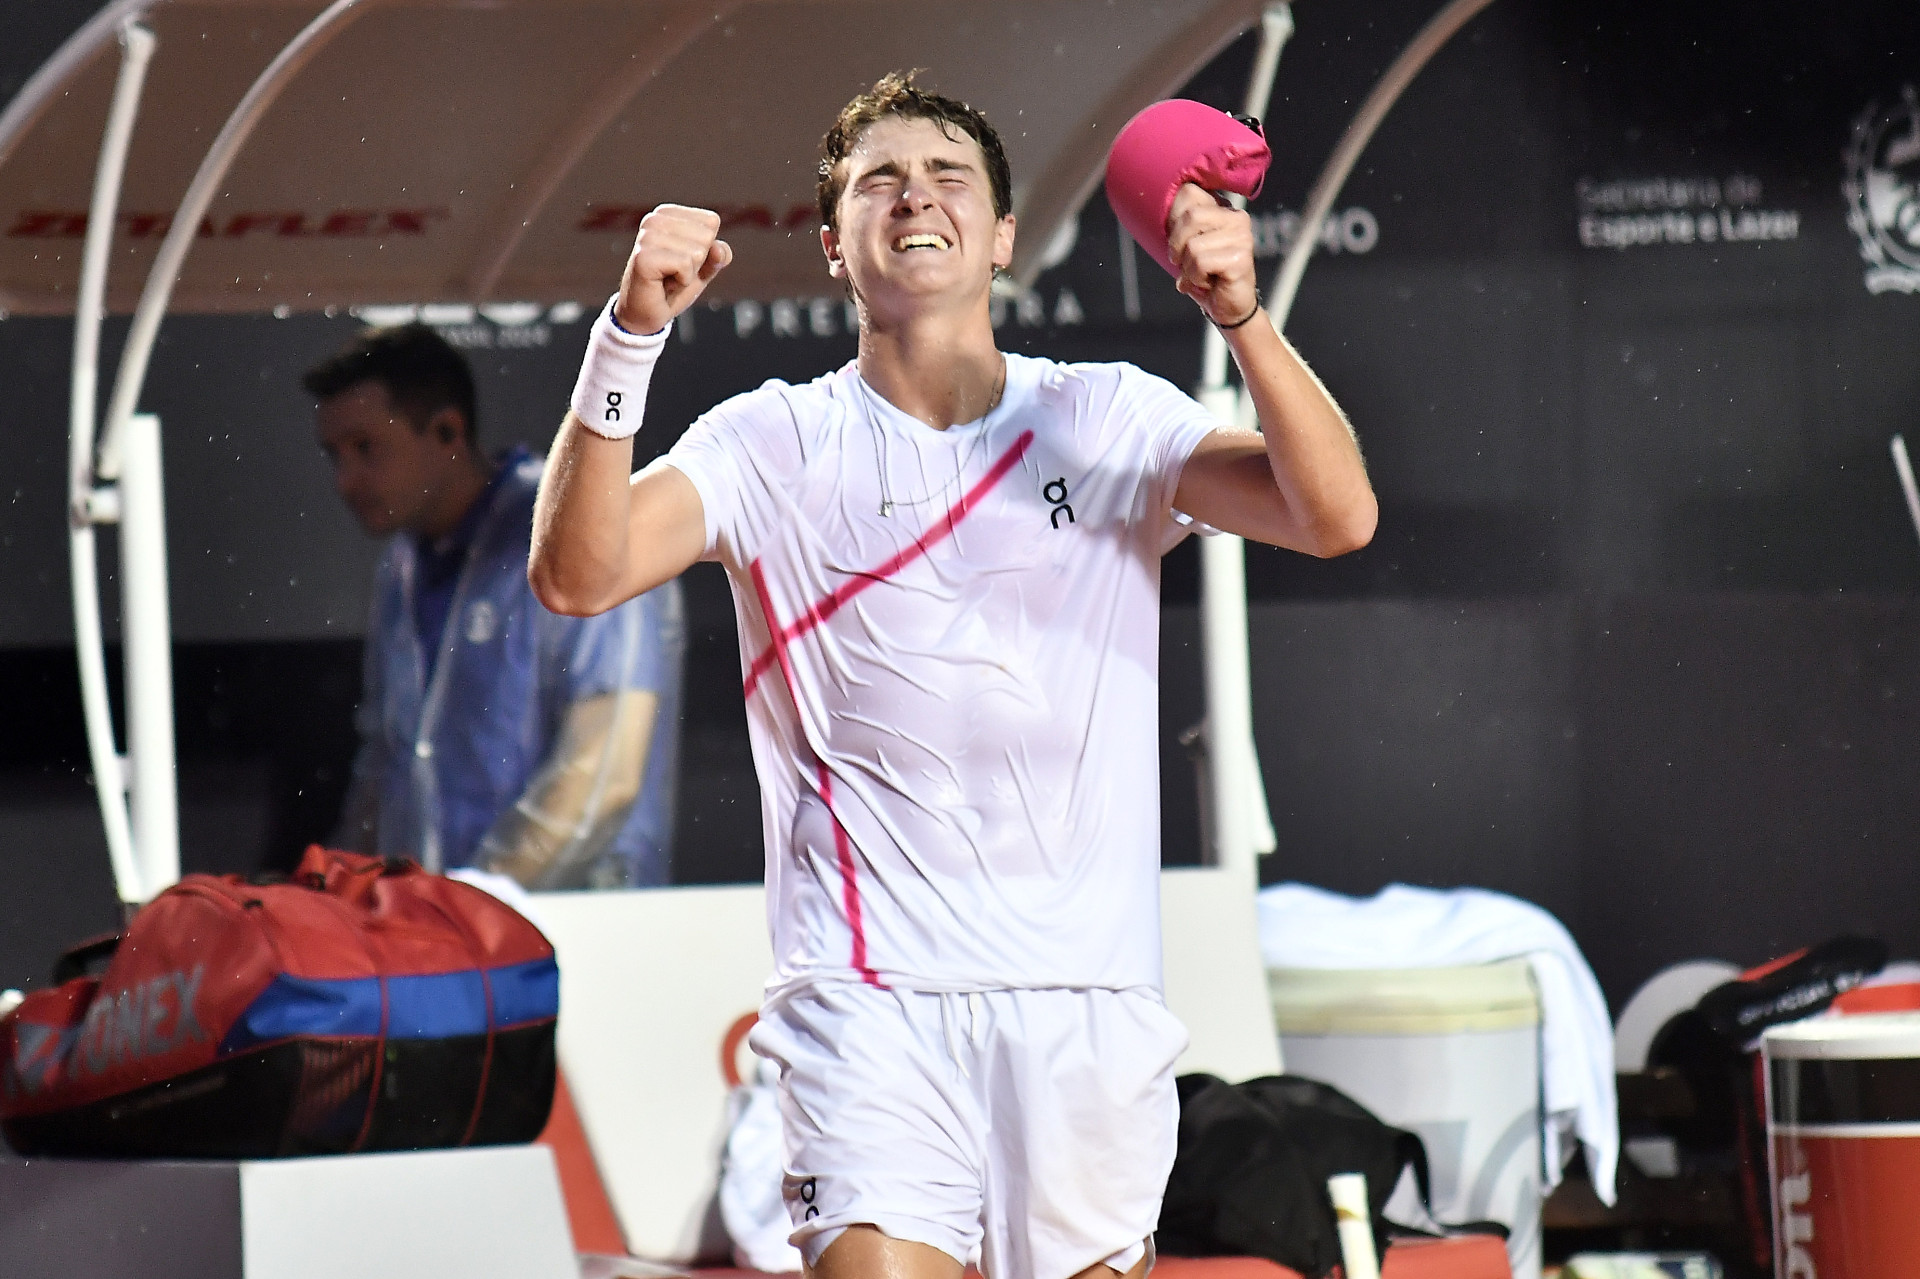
502,326
1091,281
335,224
1684,209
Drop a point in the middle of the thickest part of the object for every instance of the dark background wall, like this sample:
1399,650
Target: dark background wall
1637,637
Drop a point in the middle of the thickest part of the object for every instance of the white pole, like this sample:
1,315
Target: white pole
1276,28
1239,817
1236,799
147,636
86,506
109,769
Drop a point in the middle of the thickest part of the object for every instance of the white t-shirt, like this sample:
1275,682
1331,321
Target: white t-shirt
954,707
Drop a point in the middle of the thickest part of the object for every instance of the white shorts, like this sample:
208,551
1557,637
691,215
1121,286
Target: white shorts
1028,1131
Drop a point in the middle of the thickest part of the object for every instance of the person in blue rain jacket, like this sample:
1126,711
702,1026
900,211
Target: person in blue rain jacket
493,733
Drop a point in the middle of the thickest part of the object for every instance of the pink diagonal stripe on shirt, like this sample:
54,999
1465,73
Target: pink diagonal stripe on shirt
842,844
938,532
849,891
776,651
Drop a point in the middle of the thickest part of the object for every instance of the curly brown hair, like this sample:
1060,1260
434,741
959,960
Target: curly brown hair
896,94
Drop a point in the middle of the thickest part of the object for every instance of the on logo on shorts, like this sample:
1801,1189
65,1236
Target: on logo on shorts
807,1192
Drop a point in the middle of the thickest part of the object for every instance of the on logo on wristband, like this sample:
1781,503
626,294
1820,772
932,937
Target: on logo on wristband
613,378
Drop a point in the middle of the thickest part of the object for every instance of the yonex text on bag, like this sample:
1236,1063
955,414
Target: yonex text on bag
365,1005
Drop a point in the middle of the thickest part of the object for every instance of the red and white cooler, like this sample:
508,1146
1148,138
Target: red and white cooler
1843,1138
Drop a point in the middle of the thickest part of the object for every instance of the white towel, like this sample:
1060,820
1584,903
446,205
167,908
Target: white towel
1406,927
752,1203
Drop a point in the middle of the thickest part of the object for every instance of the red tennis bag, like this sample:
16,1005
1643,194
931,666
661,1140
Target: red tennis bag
364,1005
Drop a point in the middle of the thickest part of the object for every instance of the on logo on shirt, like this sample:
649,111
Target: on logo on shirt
1055,491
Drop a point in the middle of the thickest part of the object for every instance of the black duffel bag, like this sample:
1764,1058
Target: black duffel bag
1250,1176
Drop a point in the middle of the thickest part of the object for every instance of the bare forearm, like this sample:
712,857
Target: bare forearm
1309,491
579,562
600,538
1310,446
579,796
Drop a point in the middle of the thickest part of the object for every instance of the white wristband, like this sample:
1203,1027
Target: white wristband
611,395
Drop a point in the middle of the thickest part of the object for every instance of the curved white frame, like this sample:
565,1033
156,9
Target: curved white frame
138,797
1326,188
165,272
50,80
86,505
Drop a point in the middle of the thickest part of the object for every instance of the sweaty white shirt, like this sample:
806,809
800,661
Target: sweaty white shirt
953,707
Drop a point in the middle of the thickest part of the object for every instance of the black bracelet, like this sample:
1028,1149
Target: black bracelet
1224,328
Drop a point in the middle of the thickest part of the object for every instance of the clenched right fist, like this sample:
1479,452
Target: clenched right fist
675,256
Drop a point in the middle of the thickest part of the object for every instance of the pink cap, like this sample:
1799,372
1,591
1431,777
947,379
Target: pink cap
1172,143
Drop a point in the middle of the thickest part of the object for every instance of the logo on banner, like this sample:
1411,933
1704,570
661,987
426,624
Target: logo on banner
1882,187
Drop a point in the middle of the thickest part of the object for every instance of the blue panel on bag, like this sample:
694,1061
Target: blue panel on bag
525,992
307,1006
436,1006
430,1006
